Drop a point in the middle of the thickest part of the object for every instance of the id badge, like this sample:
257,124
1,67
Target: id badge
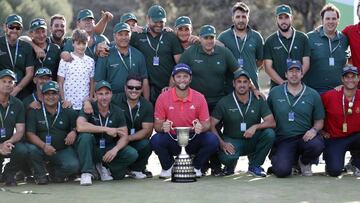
156,61
242,127
288,60
344,127
291,116
2,132
331,61
132,131
48,139
102,143
241,62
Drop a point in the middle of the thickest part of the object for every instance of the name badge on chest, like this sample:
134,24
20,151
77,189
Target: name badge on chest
102,143
48,139
291,116
2,132
241,62
331,61
242,127
156,61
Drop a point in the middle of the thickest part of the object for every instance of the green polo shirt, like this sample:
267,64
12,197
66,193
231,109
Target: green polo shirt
252,51
116,120
169,46
51,60
16,114
273,50
308,109
90,51
49,39
113,69
141,113
28,100
227,111
59,128
209,71
25,57
319,60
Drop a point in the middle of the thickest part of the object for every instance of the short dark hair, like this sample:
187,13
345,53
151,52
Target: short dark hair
329,7
241,7
80,36
56,17
134,77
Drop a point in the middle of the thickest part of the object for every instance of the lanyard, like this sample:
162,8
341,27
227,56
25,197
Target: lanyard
47,51
330,46
343,104
291,44
237,104
157,46
136,115
237,43
1,117
287,97
106,121
34,97
45,116
13,61
123,61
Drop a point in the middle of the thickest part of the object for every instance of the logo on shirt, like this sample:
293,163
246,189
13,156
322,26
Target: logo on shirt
49,58
11,112
42,122
252,111
110,121
142,40
233,110
61,122
295,47
303,102
281,100
192,107
198,61
318,44
19,55
218,63
171,108
161,42
250,45
2,52
278,48
114,65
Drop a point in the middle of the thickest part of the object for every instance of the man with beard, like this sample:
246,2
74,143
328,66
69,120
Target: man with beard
283,46
183,30
161,50
328,52
299,115
181,106
16,55
122,60
245,43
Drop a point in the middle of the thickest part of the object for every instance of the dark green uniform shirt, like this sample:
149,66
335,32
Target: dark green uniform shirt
51,60
209,71
28,100
58,129
113,69
227,111
116,119
143,112
49,39
274,50
320,61
308,109
169,46
15,114
251,49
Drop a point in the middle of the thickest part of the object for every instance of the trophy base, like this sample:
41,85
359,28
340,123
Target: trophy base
183,171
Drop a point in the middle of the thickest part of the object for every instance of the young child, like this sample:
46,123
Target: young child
76,78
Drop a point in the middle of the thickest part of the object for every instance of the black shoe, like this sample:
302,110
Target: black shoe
10,181
42,181
2,178
228,171
29,179
147,173
270,170
217,173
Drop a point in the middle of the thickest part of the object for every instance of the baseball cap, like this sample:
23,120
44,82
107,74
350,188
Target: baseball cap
121,27
350,69
241,72
283,9
43,71
50,86
13,18
37,23
181,67
207,30
157,13
7,72
85,13
294,64
182,21
127,16
102,84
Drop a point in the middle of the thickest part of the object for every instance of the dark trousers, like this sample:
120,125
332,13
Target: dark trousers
334,153
202,146
286,152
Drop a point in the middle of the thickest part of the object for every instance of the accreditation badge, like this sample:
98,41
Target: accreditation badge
132,131
102,143
331,61
288,60
291,116
242,127
156,61
241,62
2,132
48,139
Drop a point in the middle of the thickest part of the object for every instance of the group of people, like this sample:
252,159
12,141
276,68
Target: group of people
98,119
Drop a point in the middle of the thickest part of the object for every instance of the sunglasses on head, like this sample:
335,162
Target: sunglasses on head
352,68
11,27
133,87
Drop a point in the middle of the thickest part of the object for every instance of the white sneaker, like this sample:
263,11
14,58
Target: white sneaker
198,173
165,173
105,174
86,179
137,175
305,169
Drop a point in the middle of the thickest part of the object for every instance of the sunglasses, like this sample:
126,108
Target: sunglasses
351,68
133,87
11,27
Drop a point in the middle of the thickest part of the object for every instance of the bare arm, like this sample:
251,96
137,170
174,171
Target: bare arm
269,122
82,125
305,64
40,53
20,130
92,88
146,89
228,148
101,25
272,73
61,81
312,132
177,58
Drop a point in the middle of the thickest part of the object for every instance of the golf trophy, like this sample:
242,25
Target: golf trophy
183,169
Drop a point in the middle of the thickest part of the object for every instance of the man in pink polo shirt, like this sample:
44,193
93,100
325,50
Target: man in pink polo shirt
182,106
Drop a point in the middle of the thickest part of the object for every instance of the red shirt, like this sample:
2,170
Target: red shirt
182,112
335,118
352,32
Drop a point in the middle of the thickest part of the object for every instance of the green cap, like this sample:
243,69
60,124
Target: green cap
157,13
207,30
102,84
37,23
241,72
182,21
127,16
50,86
13,18
122,27
43,71
283,9
7,72
85,13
